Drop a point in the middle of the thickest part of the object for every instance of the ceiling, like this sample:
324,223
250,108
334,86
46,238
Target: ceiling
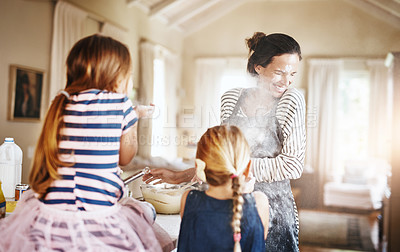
189,16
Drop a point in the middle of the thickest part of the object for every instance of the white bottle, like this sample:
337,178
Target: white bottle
10,166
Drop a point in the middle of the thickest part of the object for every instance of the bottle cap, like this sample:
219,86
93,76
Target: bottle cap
9,140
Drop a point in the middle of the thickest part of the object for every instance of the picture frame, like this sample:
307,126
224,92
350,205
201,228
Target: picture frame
25,93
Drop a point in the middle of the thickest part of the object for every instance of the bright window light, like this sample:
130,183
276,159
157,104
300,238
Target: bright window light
157,148
353,116
233,79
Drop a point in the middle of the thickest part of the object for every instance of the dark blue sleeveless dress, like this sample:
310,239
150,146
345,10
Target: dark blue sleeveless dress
206,225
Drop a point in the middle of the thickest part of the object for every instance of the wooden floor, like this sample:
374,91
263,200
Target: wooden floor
316,249
374,236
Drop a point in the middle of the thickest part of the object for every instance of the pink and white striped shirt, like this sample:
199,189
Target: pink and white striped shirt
94,121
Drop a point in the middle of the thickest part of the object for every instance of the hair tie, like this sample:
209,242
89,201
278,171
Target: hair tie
64,93
237,237
233,176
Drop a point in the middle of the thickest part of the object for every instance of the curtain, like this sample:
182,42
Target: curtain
214,76
379,140
159,88
172,83
207,96
68,26
323,83
210,87
147,57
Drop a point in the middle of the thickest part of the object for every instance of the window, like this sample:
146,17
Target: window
353,117
157,148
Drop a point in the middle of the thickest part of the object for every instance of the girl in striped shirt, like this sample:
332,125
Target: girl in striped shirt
272,118
75,202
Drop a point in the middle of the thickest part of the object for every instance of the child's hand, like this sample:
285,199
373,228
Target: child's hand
248,185
144,111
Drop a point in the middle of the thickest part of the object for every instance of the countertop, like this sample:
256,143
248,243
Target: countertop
170,223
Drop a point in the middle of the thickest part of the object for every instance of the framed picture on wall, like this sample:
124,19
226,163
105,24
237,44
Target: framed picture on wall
25,93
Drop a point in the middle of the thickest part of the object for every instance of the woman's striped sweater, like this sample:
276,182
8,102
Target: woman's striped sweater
291,117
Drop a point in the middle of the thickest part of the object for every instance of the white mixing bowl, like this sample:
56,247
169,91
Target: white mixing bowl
166,198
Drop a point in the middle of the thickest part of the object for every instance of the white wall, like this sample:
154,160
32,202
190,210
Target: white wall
25,39
25,35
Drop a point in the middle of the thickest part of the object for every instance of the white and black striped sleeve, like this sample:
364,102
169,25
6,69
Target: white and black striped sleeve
289,163
228,102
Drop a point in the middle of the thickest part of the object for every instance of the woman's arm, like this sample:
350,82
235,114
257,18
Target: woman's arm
228,103
169,176
291,116
289,163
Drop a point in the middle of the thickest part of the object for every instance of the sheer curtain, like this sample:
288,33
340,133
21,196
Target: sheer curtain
68,26
323,83
214,76
209,74
379,140
172,83
147,57
160,75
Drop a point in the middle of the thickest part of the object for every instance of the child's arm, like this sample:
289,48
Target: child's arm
262,205
128,142
183,202
128,146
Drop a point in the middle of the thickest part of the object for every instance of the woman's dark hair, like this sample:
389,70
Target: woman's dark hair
262,48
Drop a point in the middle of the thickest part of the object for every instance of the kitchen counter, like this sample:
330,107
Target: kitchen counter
170,223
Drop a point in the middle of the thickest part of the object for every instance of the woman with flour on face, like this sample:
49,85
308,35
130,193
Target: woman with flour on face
272,118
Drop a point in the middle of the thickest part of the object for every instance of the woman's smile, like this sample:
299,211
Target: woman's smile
279,74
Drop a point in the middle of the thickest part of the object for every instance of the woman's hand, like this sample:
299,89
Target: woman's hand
162,174
165,175
144,111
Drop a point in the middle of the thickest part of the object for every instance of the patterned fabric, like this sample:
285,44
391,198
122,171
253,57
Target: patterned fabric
90,141
206,225
34,226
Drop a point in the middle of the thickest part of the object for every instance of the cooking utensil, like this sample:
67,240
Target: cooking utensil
128,180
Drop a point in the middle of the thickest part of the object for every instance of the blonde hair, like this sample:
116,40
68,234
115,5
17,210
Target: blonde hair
224,149
96,62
